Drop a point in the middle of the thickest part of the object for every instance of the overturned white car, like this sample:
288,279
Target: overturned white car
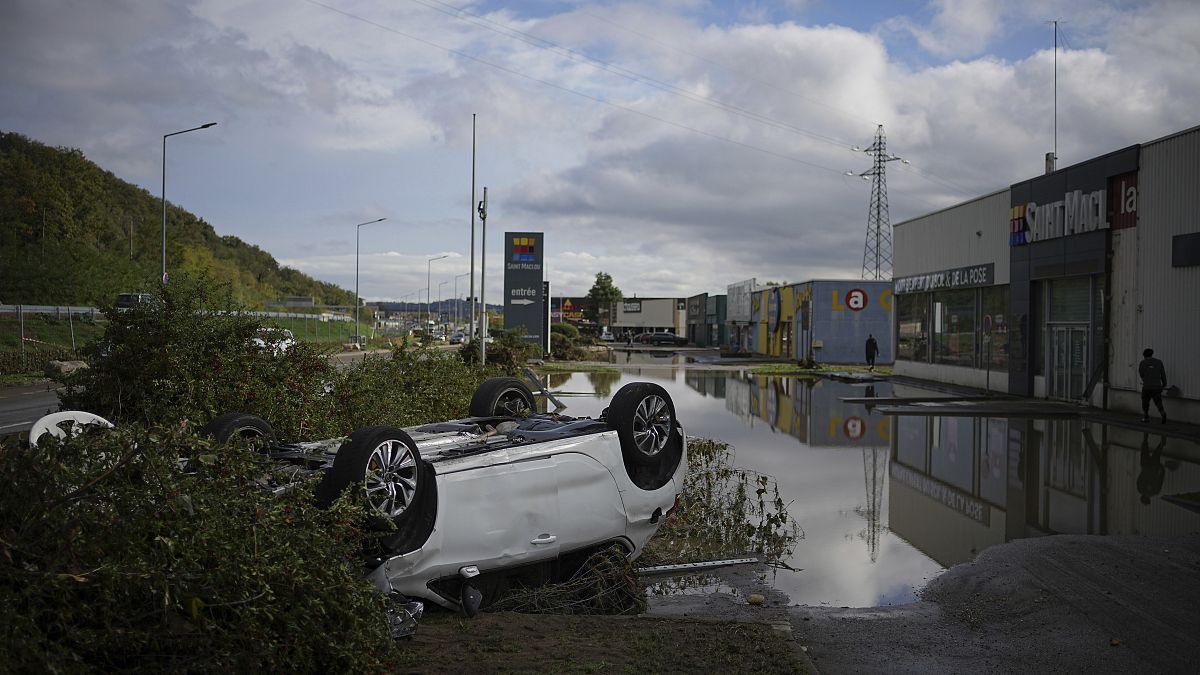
463,504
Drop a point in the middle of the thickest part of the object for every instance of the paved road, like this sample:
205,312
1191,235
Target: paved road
21,406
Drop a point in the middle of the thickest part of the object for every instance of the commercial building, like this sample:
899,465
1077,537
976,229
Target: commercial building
706,325
827,321
739,317
642,315
1053,287
697,309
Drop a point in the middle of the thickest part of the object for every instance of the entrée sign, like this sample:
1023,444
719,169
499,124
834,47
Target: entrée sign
962,277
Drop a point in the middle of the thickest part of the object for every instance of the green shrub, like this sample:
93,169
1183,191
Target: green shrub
411,387
114,559
565,329
181,359
564,349
33,360
507,354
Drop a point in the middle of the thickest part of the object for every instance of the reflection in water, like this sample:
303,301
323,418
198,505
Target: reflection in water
961,484
874,470
691,584
887,503
649,357
1150,479
557,380
603,382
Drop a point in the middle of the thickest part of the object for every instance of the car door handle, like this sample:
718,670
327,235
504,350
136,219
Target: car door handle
544,539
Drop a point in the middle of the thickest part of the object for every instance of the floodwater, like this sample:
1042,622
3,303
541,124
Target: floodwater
885,504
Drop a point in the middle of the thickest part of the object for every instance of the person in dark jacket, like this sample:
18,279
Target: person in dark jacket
872,351
1154,380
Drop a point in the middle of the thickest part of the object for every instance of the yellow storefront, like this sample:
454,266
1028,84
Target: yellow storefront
775,308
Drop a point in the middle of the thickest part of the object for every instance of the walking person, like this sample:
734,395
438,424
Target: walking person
1154,380
872,351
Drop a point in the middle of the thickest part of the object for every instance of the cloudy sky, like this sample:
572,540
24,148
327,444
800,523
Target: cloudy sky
678,145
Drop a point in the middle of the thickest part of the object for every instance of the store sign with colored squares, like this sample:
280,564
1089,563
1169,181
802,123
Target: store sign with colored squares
524,249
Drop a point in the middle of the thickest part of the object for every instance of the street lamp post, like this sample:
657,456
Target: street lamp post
457,304
441,307
164,192
483,328
428,302
357,229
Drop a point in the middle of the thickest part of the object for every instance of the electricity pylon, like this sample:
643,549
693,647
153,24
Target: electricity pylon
877,254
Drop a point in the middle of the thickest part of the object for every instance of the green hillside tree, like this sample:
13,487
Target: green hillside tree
600,298
73,233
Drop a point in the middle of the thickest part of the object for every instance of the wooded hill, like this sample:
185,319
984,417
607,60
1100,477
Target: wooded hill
65,232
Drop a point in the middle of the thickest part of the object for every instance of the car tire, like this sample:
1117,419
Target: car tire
386,462
238,425
644,417
502,397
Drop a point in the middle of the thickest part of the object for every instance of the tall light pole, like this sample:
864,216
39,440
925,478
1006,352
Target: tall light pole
483,278
457,304
471,205
428,302
164,192
441,307
357,229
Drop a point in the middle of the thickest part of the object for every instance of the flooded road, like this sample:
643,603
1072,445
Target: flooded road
887,503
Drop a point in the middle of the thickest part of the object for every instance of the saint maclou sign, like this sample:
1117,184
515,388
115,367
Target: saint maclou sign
524,299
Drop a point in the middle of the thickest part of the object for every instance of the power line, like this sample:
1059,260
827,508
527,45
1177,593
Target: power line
568,90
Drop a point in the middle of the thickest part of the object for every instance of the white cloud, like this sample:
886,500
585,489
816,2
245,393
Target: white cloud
327,120
957,28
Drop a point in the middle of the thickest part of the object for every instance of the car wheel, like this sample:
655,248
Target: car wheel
644,417
502,396
239,425
385,460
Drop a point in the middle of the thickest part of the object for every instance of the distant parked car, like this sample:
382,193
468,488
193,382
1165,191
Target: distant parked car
131,300
661,338
457,338
277,340
606,335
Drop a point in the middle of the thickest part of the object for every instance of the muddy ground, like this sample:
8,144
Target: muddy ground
1053,604
541,643
1070,604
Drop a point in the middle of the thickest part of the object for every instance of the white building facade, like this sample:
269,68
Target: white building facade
1053,287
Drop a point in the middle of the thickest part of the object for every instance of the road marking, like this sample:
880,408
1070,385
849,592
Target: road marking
18,424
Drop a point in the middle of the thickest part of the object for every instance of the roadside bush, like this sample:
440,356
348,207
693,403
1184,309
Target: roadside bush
33,361
507,354
724,512
412,387
180,359
176,361
566,329
606,583
563,348
113,559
